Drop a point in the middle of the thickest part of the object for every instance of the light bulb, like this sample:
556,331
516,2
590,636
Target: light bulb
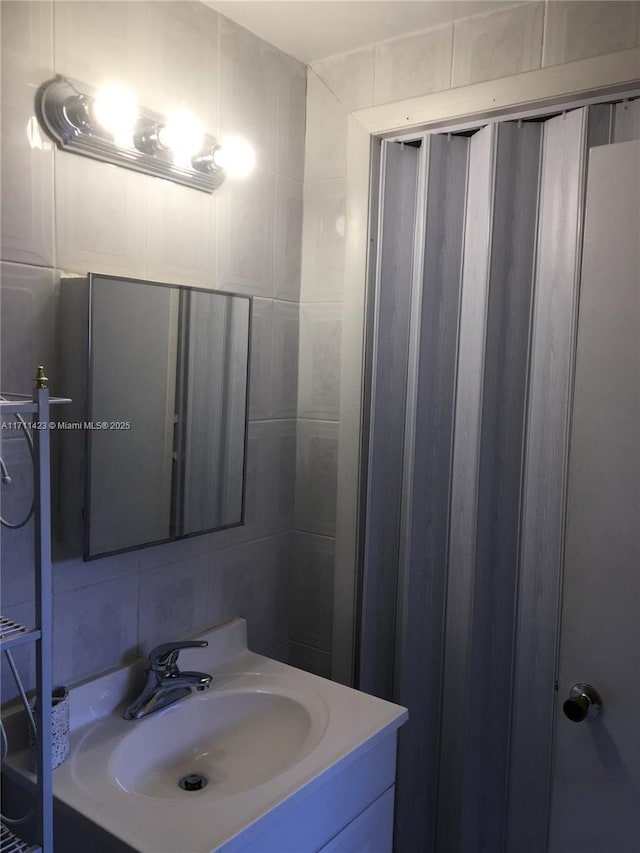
236,156
116,110
184,135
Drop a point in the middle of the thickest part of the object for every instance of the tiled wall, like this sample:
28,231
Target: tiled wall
518,38
319,379
66,214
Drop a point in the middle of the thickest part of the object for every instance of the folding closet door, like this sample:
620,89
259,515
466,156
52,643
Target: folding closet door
464,480
386,384
427,462
499,473
486,479
470,377
565,146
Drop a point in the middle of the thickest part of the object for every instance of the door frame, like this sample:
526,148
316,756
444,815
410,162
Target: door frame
567,86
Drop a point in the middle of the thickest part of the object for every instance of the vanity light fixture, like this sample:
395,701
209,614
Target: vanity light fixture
235,156
109,125
115,109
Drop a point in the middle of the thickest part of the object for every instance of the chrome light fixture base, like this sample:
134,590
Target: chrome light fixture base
64,109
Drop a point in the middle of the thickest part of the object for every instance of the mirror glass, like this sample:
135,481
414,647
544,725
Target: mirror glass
167,405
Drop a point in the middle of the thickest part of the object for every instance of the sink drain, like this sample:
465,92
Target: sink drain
193,782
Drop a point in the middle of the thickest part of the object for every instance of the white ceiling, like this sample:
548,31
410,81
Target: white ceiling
314,29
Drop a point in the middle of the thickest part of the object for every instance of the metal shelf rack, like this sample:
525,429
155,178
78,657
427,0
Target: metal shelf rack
13,634
10,843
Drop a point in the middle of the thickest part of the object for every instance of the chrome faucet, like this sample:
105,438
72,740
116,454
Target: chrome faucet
165,683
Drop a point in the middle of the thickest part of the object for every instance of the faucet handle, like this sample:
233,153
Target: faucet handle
165,655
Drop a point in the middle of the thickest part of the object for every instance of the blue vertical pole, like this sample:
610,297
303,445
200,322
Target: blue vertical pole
42,544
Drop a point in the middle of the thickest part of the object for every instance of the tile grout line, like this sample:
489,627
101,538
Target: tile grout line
545,9
453,47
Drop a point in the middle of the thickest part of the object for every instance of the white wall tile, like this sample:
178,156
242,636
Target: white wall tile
268,623
292,93
71,572
255,508
320,347
310,659
576,30
173,602
245,212
28,327
349,76
316,477
230,590
274,360
261,360
279,652
288,239
251,581
99,42
249,90
278,484
180,551
284,371
413,65
175,31
323,241
95,629
326,133
311,596
16,557
270,483
26,229
497,45
29,305
180,234
100,217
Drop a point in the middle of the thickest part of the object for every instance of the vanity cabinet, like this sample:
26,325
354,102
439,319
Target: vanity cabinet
346,811
349,811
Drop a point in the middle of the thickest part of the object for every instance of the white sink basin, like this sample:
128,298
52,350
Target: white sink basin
237,738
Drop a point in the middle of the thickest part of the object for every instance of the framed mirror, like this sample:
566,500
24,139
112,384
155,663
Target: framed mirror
166,412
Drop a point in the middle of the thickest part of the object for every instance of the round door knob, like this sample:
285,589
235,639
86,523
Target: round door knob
584,700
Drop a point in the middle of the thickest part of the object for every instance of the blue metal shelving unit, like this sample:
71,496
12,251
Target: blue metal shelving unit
13,634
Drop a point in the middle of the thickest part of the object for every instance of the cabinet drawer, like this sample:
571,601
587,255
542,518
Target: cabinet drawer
370,832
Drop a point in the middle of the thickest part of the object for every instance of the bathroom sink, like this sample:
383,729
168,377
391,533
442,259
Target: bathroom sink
224,742
261,744
245,731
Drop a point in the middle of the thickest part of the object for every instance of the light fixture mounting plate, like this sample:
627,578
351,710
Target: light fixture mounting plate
55,104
